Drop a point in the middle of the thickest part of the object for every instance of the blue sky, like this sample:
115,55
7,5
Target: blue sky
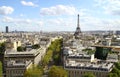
59,15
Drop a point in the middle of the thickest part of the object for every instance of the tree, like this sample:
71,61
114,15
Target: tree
45,60
36,46
0,69
57,72
89,75
47,57
91,52
2,48
57,44
112,75
53,52
56,59
20,48
33,72
117,65
115,70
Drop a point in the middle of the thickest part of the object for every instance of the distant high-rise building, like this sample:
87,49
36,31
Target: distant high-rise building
78,30
117,32
7,29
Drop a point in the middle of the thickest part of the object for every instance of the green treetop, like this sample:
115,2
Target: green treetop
57,72
89,75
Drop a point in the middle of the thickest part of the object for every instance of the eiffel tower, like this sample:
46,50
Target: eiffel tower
78,30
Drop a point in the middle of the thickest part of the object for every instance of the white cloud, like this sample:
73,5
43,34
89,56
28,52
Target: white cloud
58,10
4,10
23,21
7,19
61,22
18,21
94,23
39,23
21,15
109,6
28,4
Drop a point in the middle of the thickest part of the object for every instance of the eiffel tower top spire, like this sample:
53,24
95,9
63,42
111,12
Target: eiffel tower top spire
78,21
78,30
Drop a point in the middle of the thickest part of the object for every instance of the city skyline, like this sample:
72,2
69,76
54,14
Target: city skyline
59,15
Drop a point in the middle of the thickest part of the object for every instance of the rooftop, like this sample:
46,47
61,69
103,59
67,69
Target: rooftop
12,53
89,66
18,64
79,56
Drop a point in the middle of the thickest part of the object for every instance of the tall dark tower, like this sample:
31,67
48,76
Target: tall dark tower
7,29
78,30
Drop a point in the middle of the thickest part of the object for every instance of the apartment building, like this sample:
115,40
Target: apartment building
77,63
15,63
78,69
17,68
